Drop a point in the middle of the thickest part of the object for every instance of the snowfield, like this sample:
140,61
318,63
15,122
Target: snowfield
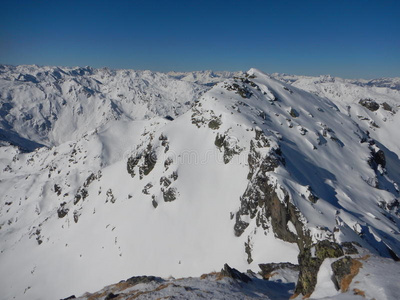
109,174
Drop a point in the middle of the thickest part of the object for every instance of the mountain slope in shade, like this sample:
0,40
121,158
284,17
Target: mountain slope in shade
256,171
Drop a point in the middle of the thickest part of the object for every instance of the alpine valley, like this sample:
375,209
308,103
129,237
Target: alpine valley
122,184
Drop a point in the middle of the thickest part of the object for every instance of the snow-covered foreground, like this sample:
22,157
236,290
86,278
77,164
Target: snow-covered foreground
168,175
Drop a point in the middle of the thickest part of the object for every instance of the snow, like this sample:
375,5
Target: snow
111,115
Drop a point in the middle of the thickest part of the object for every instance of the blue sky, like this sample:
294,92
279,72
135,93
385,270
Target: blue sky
347,38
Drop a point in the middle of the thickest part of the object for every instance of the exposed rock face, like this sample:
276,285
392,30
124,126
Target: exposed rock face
169,194
228,146
348,247
387,107
145,161
344,270
62,210
261,201
310,259
240,89
227,271
143,279
369,104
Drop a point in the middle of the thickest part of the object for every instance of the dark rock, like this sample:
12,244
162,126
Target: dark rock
242,90
110,196
150,159
369,104
165,182
229,150
80,194
62,210
70,297
76,216
57,189
215,123
146,188
227,271
287,89
310,264
387,107
293,113
111,296
146,160
89,180
132,163
143,279
248,249
169,194
348,247
344,271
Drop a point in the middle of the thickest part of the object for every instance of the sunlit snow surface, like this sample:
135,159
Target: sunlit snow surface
117,232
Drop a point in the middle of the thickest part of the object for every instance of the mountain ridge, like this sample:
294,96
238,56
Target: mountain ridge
293,154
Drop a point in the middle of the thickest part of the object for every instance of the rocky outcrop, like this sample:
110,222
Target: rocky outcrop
369,104
260,199
144,161
344,270
310,260
227,271
228,145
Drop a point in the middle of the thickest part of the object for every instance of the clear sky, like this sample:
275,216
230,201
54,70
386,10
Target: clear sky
347,38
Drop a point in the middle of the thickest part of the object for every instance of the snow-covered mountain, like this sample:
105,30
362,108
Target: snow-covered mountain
110,174
50,105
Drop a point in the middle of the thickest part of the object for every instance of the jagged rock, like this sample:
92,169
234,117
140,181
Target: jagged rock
379,158
62,210
165,182
57,189
348,247
227,271
248,249
91,178
369,104
268,270
146,188
110,196
145,161
150,159
132,163
228,146
169,194
310,259
81,193
70,297
293,113
111,296
215,123
167,163
387,107
76,216
344,270
143,279
243,91
174,175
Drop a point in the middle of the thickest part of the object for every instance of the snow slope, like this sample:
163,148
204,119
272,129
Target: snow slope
136,195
